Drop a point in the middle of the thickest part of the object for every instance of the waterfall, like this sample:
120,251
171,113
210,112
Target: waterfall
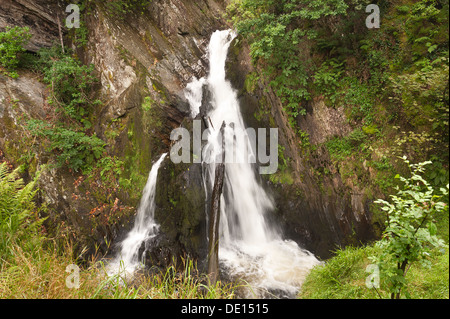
144,227
250,248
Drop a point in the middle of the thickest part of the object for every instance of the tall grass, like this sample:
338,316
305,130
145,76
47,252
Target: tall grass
187,284
43,275
33,266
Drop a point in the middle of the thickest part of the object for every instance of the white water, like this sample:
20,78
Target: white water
249,247
144,227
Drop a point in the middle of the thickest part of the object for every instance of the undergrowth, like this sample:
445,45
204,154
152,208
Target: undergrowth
34,265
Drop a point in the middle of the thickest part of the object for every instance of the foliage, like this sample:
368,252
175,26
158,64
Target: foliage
359,98
71,94
339,277
423,93
411,229
12,41
185,283
19,223
340,148
418,75
327,76
281,35
120,8
71,83
344,276
398,73
74,149
33,265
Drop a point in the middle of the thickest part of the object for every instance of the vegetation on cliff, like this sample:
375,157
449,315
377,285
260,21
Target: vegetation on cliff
34,264
391,83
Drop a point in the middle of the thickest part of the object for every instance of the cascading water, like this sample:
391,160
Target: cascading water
144,227
249,247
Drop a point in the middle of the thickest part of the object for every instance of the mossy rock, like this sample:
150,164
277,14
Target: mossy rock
180,206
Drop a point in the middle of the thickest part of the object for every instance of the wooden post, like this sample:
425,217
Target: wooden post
214,220
60,33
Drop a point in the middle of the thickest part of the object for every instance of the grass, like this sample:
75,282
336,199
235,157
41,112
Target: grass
42,275
344,277
187,284
34,266
341,277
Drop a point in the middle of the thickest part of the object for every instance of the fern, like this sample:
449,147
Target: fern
18,218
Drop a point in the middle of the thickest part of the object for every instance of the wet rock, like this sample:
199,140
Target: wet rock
322,122
180,206
161,252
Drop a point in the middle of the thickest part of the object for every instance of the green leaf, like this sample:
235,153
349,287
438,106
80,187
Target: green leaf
432,228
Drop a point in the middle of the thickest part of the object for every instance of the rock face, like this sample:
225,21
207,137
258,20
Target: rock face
140,58
320,214
144,62
39,16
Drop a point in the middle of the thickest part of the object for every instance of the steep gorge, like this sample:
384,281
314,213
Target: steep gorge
144,62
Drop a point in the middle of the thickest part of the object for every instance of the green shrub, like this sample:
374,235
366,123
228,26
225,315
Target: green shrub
344,276
327,77
120,8
340,148
290,38
411,230
74,149
71,84
12,41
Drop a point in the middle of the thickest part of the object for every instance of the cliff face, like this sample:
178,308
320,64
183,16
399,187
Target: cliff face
320,211
146,60
139,58
39,16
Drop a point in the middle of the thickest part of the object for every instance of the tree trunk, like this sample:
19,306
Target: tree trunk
402,269
214,220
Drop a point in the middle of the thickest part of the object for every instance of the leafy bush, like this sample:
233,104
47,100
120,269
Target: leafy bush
74,149
423,94
342,147
71,83
411,229
359,98
327,76
281,35
344,277
12,41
